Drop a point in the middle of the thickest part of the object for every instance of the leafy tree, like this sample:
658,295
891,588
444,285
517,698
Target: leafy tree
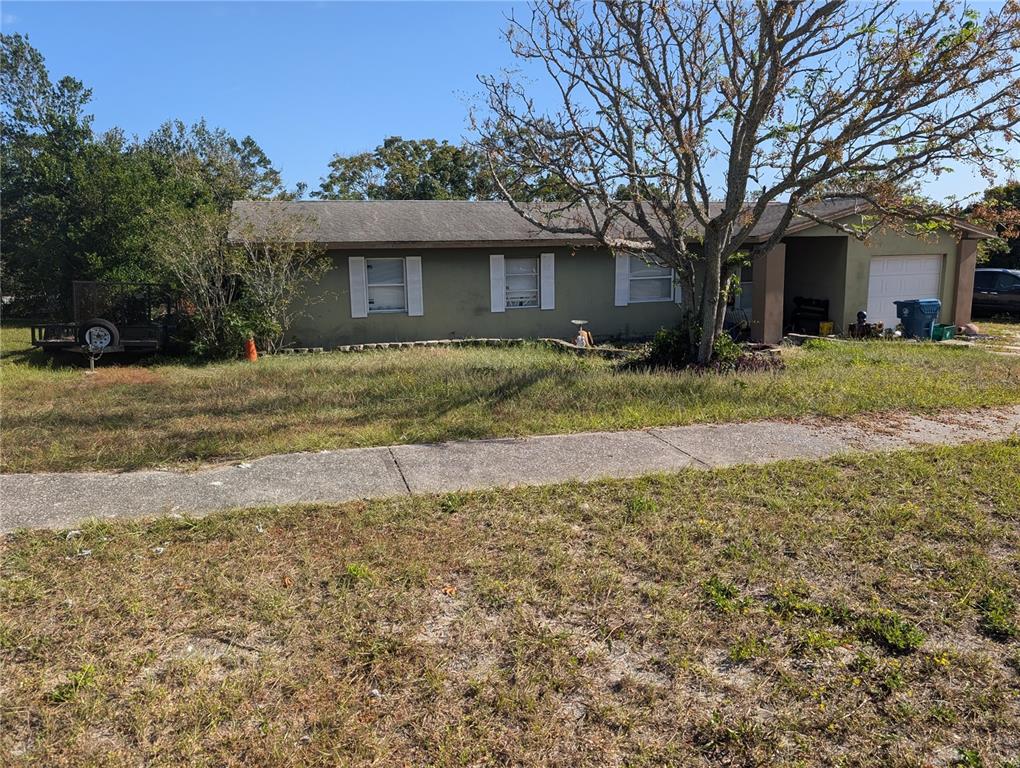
403,169
77,206
422,169
1000,208
705,113
237,284
199,165
43,133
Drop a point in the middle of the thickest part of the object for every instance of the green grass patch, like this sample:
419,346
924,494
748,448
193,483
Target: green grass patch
721,595
801,613
997,611
889,630
173,413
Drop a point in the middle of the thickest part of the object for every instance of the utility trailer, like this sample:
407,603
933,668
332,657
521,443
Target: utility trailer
114,317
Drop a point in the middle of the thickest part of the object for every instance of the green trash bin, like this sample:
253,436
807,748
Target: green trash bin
940,332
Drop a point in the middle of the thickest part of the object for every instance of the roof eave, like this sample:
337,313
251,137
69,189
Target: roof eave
962,225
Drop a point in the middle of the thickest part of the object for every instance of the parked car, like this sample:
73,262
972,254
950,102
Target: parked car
996,292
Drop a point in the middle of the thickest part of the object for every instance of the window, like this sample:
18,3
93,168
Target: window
385,282
742,299
985,281
521,283
1007,283
649,282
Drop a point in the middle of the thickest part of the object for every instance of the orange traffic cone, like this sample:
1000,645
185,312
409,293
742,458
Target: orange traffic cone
250,353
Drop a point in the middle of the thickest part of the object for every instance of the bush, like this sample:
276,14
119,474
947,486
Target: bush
726,353
671,348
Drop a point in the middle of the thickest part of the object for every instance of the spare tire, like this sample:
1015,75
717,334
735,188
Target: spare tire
99,334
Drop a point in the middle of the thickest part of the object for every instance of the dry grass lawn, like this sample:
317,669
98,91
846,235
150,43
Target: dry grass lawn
851,612
1000,334
175,414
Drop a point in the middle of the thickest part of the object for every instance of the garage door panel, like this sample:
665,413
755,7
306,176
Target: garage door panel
895,278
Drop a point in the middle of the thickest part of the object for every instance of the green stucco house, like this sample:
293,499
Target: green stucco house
413,270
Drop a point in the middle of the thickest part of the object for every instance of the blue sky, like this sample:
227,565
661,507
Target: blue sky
306,80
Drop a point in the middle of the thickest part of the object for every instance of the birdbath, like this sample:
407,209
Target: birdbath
581,335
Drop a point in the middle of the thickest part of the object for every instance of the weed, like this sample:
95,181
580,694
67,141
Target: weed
721,594
638,508
892,678
997,611
83,679
174,413
814,641
889,630
452,502
355,573
524,630
969,758
792,600
942,714
747,649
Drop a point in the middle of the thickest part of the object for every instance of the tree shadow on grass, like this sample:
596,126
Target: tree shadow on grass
487,401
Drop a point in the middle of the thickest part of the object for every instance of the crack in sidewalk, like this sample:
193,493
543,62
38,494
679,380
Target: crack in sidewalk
678,449
400,470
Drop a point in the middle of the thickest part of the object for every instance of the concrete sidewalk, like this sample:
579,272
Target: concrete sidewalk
64,500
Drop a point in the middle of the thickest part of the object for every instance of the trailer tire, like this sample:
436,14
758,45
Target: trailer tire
99,323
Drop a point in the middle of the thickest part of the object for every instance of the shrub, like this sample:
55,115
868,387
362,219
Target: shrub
670,348
726,353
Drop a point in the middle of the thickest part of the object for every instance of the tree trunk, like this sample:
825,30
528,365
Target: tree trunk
689,308
720,310
710,298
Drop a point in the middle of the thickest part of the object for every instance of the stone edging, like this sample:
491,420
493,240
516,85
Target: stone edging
557,344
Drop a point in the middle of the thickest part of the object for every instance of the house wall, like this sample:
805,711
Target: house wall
820,263
813,266
889,243
456,296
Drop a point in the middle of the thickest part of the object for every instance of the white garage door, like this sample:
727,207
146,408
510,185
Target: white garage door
895,278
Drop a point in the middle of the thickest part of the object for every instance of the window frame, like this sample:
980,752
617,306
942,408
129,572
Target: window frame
538,281
369,286
631,278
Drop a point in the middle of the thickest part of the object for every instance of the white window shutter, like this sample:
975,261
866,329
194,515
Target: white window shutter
497,283
359,291
622,280
415,302
547,269
677,293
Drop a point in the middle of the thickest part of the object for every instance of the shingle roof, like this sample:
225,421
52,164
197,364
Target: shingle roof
454,223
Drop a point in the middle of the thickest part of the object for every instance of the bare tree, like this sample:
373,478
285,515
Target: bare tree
276,265
677,123
193,250
239,283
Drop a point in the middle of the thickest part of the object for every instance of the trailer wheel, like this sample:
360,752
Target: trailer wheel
99,334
